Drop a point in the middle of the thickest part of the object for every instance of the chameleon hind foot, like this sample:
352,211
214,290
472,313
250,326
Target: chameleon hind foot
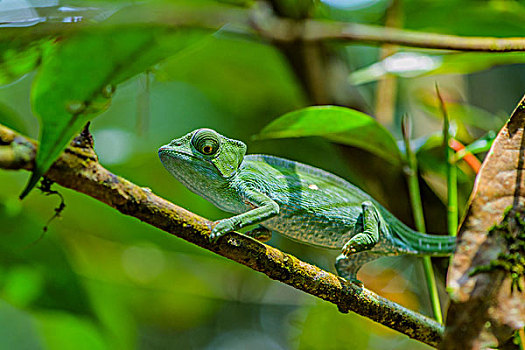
260,233
367,239
347,266
347,270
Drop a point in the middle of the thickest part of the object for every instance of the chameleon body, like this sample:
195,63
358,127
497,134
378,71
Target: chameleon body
302,202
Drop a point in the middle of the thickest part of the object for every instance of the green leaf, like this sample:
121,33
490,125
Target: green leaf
338,124
465,63
413,64
77,78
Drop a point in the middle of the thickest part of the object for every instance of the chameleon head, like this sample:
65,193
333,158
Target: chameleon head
202,155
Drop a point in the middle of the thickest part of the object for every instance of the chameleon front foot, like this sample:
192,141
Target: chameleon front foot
221,227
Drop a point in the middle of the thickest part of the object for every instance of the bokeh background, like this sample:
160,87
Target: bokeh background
100,280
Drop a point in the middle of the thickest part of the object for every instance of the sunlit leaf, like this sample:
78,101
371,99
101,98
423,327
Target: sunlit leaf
77,79
403,64
413,64
338,124
465,63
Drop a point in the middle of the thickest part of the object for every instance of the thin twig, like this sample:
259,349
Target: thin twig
84,174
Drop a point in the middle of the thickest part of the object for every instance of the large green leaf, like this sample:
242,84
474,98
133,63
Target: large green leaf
77,78
338,124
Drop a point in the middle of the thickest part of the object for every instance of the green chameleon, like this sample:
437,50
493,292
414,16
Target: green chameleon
304,203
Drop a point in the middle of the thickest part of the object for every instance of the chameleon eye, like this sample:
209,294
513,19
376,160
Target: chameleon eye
206,141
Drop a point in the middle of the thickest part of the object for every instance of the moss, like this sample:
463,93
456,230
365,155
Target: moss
512,260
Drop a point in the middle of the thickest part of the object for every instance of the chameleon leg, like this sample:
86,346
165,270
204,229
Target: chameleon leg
347,267
367,239
354,253
260,233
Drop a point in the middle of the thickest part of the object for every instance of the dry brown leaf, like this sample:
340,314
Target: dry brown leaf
484,312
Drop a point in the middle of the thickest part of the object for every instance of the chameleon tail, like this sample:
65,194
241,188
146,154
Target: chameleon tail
423,244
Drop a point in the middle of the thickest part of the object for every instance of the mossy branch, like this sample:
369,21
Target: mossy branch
78,169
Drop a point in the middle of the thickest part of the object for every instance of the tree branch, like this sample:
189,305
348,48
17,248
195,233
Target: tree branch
78,169
260,20
317,30
287,30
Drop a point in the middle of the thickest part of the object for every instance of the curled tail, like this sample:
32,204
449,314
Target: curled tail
418,243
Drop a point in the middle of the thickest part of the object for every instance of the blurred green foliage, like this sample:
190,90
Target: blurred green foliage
100,280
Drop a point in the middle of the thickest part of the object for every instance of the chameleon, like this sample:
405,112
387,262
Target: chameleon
299,201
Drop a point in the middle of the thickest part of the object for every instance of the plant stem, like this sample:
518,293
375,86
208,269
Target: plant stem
417,209
452,176
452,185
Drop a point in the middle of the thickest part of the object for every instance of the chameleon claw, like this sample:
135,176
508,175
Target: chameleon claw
221,227
348,250
214,236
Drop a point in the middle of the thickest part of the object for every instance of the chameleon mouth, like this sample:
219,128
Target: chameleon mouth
166,152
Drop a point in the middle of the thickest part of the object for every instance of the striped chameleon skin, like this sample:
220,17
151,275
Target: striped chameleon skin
299,201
